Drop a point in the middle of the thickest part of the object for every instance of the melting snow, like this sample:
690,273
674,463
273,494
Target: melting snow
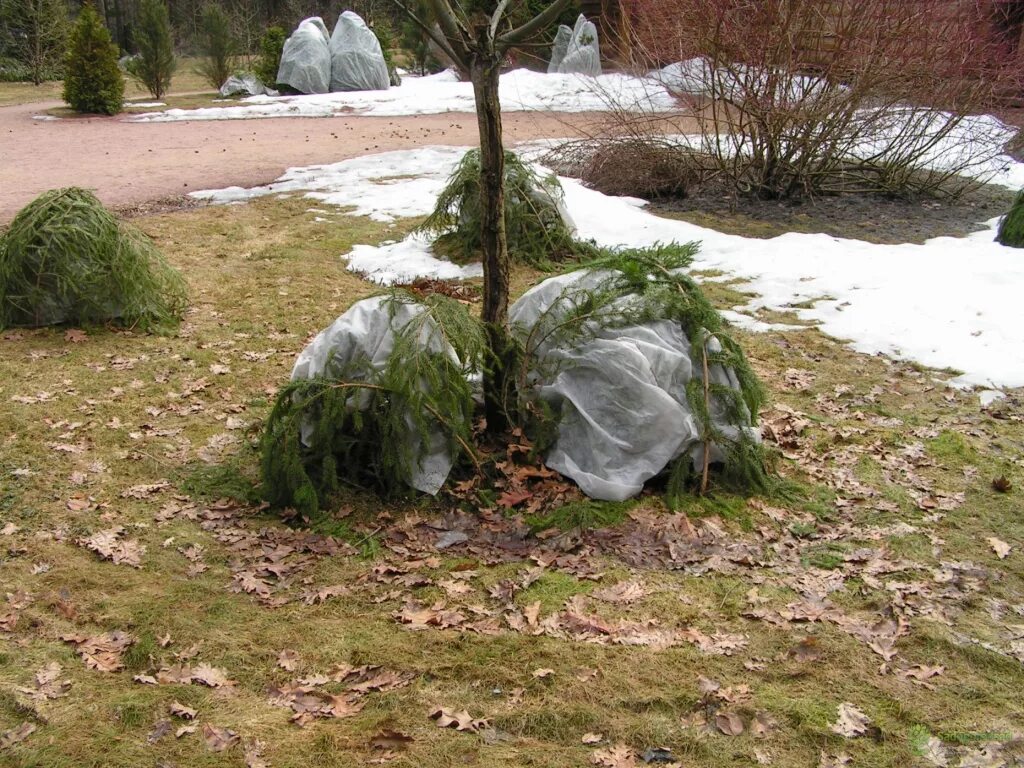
949,303
521,90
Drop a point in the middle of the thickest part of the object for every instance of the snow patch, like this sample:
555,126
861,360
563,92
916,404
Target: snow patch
404,262
948,303
521,91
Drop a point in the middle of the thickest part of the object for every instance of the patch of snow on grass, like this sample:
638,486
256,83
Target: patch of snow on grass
949,303
384,187
404,262
521,91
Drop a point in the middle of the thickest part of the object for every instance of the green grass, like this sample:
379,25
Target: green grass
264,277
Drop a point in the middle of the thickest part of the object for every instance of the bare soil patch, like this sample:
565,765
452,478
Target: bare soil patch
863,217
127,163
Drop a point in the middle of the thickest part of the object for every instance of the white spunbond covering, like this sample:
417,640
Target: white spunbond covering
948,303
357,61
620,396
583,54
364,337
696,77
520,91
306,59
245,84
560,47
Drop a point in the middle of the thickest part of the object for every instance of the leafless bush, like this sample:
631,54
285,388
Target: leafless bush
795,98
631,167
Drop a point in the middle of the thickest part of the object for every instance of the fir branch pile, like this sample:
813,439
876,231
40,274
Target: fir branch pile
352,426
536,230
645,285
66,259
1011,228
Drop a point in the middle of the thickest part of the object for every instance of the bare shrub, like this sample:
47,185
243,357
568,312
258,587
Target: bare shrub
803,97
647,169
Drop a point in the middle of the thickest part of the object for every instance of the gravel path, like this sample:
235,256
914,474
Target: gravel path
130,163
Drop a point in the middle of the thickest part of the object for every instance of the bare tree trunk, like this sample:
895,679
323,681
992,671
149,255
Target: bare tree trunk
484,71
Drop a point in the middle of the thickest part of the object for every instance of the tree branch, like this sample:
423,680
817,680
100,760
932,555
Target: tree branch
455,32
535,25
496,18
440,40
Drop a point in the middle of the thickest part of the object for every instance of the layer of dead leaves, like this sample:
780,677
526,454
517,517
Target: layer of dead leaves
309,698
110,544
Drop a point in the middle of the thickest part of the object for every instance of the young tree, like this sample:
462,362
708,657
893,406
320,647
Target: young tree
217,45
269,61
477,35
35,33
155,64
93,82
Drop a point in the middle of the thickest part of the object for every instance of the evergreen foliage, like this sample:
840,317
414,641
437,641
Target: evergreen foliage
33,34
352,426
93,82
317,438
646,285
216,45
1011,228
269,61
66,259
155,63
536,231
416,42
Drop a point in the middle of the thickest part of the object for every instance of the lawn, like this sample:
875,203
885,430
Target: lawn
186,81
875,582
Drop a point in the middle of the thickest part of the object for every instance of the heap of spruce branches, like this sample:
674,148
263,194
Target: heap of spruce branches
67,259
537,232
352,425
644,285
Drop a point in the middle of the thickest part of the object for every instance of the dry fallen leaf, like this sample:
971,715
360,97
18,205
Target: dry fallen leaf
619,756
108,545
288,660
460,721
15,735
75,335
834,761
850,721
211,676
48,685
102,652
623,592
729,723
180,710
254,754
219,739
1001,548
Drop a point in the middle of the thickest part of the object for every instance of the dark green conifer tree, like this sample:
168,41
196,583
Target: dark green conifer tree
93,82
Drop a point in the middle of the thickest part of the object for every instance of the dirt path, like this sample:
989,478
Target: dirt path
126,163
